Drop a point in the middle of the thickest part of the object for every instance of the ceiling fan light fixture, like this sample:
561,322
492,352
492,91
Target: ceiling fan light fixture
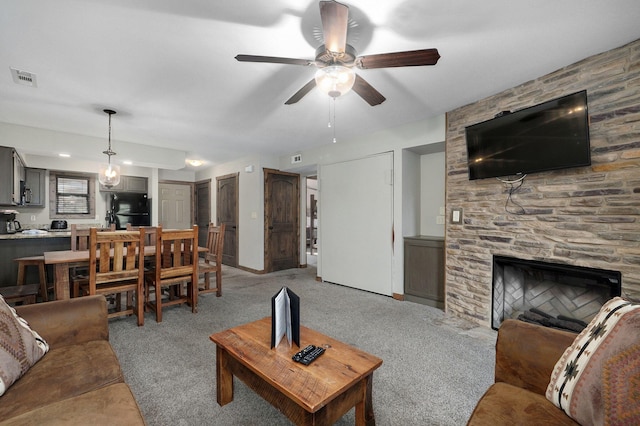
109,173
335,80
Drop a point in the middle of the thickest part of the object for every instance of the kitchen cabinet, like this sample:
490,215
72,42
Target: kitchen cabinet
128,184
424,270
35,194
11,176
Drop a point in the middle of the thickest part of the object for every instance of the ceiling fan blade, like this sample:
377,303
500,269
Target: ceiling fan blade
367,92
412,58
274,60
335,17
300,93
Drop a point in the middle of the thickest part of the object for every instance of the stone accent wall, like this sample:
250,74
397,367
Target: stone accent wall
588,216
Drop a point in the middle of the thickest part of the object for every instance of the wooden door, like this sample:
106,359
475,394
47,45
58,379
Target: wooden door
227,213
356,223
281,220
174,208
203,209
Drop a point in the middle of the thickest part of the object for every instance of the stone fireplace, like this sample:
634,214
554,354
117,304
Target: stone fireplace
562,292
587,216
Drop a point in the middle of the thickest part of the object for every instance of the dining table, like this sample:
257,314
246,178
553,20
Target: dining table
63,260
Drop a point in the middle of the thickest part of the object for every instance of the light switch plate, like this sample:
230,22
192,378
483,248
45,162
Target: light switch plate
456,215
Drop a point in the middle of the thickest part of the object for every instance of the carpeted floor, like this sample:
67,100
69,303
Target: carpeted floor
435,367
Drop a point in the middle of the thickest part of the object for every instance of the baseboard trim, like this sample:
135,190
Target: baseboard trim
398,296
253,271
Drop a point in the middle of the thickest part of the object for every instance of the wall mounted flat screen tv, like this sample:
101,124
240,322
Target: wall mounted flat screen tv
552,135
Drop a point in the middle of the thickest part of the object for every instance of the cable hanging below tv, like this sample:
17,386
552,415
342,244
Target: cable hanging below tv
549,136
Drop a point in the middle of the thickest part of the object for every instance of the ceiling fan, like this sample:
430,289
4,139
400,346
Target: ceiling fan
335,59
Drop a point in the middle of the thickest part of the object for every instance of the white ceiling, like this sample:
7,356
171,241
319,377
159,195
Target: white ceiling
167,66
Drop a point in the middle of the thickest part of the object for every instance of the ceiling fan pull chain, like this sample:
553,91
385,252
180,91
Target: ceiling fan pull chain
334,119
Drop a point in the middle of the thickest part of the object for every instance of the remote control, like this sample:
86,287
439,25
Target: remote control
311,356
299,355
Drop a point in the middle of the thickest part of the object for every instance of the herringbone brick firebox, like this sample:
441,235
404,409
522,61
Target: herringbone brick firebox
562,292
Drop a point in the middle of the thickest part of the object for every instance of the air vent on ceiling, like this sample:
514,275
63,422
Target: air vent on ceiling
25,78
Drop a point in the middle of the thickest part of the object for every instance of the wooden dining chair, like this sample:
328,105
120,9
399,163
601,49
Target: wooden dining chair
149,233
176,264
80,236
212,261
79,275
149,240
116,266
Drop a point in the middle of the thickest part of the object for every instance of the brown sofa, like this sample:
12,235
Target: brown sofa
79,381
525,357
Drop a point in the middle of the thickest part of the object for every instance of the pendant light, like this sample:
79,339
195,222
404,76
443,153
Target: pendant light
109,173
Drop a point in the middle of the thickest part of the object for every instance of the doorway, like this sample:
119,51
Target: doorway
356,209
227,213
312,220
174,209
203,209
281,220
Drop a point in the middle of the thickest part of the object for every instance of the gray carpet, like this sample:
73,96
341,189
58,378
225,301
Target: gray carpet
435,367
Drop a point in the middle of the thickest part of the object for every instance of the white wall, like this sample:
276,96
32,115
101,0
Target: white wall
250,205
251,185
40,147
432,179
426,132
44,142
411,189
33,216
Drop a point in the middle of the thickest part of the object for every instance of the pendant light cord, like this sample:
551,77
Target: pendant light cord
109,152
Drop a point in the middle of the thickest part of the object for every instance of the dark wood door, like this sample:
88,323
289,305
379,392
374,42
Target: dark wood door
281,220
203,209
227,213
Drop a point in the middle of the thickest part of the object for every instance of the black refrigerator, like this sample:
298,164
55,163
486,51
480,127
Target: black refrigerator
128,207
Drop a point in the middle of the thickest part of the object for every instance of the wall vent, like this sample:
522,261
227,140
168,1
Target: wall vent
25,78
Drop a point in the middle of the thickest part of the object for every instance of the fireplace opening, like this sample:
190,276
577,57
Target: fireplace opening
554,295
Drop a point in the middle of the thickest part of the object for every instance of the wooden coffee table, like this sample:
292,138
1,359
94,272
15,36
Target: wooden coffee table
317,394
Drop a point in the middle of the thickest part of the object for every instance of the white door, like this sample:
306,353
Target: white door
356,223
174,208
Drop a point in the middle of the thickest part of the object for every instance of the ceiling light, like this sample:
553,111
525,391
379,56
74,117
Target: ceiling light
195,163
64,155
109,173
335,80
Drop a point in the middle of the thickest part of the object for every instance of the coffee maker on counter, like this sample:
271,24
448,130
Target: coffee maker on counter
8,222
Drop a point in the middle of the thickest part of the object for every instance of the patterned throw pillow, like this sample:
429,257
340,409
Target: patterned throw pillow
20,347
597,379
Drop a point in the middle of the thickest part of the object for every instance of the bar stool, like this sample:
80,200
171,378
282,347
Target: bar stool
38,261
20,293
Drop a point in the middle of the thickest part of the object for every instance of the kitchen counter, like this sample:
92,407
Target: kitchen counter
17,245
49,234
